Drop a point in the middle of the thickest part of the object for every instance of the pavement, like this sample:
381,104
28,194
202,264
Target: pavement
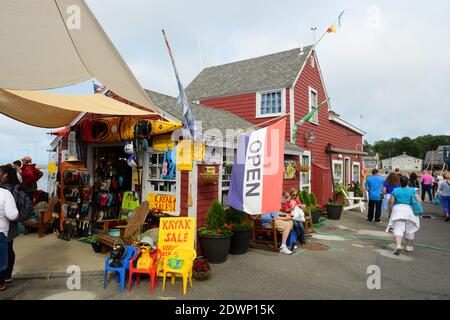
358,250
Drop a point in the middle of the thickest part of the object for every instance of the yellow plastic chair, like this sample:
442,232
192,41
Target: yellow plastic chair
188,256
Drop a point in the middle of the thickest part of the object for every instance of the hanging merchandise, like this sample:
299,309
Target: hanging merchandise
130,201
184,155
129,149
163,142
199,151
168,169
116,129
131,162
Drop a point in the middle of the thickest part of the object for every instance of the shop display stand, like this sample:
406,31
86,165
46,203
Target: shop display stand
75,200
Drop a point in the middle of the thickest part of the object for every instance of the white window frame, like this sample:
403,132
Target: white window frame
271,115
348,173
356,164
147,180
303,185
312,120
342,170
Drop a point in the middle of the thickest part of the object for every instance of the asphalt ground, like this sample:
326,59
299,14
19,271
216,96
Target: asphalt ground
358,252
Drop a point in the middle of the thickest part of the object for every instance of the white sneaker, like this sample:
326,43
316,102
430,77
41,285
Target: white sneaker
388,229
409,248
285,250
295,247
397,251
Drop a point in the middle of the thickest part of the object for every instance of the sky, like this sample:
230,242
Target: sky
387,69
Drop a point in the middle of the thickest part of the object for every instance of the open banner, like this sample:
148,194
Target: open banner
257,176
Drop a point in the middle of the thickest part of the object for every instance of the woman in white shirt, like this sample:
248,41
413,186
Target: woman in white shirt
8,212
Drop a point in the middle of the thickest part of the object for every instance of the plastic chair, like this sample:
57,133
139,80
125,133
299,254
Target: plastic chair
120,272
188,256
156,256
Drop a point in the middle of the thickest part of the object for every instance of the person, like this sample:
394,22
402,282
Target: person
294,206
30,176
283,223
18,166
8,212
414,181
435,184
374,185
444,193
427,185
405,222
9,181
392,182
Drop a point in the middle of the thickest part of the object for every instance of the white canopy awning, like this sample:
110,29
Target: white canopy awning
56,43
48,110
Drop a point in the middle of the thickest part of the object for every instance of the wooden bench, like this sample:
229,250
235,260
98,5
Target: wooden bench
264,233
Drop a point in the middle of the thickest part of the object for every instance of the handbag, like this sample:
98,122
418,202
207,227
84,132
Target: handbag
416,206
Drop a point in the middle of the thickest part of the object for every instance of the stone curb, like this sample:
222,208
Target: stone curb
54,275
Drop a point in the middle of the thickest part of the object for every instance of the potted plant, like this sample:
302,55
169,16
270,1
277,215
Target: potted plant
316,212
339,193
241,225
215,236
351,193
201,269
334,210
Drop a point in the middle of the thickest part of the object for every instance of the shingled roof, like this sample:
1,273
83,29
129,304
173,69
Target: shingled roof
274,71
210,117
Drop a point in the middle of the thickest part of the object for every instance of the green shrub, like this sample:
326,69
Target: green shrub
306,199
215,222
239,220
313,198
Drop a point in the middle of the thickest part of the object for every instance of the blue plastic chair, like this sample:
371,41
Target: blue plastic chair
120,272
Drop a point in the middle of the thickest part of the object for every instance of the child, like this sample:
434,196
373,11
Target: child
295,208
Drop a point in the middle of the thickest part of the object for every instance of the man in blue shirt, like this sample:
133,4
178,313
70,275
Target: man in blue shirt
374,186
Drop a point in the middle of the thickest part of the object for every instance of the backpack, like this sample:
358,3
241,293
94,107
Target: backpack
23,202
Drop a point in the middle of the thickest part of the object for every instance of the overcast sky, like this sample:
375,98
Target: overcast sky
389,63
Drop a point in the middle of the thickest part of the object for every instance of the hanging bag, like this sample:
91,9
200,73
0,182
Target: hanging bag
416,205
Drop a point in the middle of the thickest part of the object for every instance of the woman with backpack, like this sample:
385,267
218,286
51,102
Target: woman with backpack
444,193
8,212
9,181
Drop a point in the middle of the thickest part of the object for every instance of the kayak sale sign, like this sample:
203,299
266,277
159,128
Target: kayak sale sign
166,203
174,233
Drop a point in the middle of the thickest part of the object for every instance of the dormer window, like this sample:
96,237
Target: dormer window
270,103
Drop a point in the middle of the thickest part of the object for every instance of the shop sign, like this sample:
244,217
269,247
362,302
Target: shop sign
51,168
174,233
289,169
162,142
166,203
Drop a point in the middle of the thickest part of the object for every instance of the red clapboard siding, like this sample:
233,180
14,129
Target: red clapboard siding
184,194
244,106
206,195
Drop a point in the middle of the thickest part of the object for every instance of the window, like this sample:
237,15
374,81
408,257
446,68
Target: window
228,161
313,104
305,177
356,172
337,171
156,182
269,104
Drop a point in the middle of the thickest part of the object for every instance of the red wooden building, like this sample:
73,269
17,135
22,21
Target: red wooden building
288,83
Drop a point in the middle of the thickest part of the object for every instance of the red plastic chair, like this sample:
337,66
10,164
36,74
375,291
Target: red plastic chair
156,256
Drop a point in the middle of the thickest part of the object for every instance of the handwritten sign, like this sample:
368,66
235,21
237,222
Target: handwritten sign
166,203
174,233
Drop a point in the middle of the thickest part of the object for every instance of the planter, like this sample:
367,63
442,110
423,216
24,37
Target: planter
215,250
240,241
97,246
201,275
315,216
334,211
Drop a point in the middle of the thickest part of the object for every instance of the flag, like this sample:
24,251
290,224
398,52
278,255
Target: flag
332,29
98,88
183,102
304,120
257,177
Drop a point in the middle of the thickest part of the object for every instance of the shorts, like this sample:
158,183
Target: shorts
405,228
281,225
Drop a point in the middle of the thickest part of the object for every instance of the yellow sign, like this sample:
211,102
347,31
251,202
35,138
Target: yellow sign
51,168
163,142
174,233
165,203
184,155
199,151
